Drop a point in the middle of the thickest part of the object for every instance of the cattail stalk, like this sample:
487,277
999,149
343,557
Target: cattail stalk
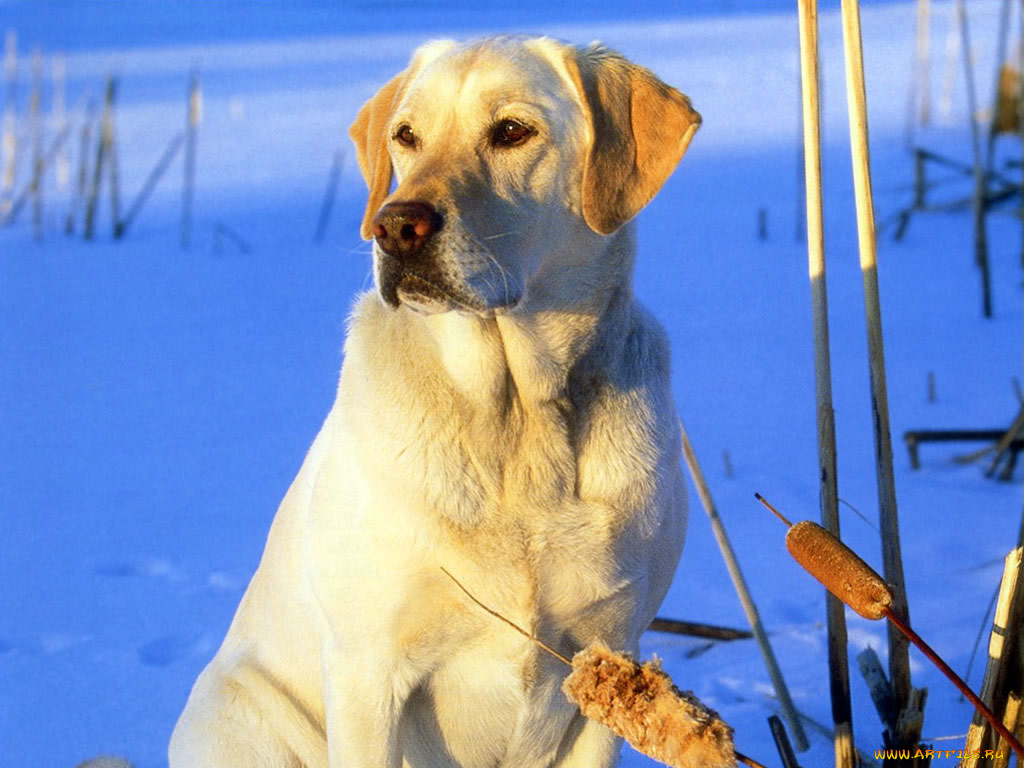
924,62
1002,41
1000,647
949,70
899,658
828,493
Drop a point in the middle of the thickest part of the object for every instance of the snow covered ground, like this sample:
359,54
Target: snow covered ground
155,403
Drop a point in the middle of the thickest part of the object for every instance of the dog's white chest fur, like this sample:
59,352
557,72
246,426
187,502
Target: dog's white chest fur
548,509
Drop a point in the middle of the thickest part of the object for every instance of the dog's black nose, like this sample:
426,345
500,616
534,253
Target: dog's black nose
402,229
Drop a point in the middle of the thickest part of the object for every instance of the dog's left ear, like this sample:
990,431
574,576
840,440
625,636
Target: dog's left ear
370,135
369,131
641,127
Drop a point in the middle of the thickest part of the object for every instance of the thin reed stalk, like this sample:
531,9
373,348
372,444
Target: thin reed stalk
743,591
839,671
899,661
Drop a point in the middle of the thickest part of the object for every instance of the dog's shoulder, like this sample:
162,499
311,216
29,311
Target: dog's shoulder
632,357
647,348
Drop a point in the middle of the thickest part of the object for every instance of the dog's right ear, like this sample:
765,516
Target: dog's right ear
369,132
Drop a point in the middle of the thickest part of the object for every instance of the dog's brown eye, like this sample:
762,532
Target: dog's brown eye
510,133
405,136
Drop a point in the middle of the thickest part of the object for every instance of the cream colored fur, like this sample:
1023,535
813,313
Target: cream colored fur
518,431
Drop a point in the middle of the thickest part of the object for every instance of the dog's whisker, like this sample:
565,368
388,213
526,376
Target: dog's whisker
501,234
355,251
501,271
367,281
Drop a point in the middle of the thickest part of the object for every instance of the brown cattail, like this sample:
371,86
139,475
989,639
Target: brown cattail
839,568
836,566
853,581
640,704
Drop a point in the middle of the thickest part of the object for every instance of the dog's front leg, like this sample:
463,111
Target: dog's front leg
595,746
362,712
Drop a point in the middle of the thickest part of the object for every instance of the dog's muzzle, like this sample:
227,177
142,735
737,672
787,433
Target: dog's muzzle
418,266
404,233
403,230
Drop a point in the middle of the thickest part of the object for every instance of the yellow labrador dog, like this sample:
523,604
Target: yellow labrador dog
503,412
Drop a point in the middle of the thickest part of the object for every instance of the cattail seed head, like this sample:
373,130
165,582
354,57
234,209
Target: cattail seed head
640,704
839,568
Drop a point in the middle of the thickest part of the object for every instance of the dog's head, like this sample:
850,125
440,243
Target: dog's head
509,154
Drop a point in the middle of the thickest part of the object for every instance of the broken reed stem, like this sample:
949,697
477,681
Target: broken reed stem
540,643
937,660
148,186
995,687
29,190
80,186
327,206
104,150
59,110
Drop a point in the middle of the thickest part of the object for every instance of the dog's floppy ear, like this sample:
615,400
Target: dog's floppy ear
370,135
369,131
641,127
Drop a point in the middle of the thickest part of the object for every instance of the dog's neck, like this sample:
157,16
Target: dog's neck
536,353
508,392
